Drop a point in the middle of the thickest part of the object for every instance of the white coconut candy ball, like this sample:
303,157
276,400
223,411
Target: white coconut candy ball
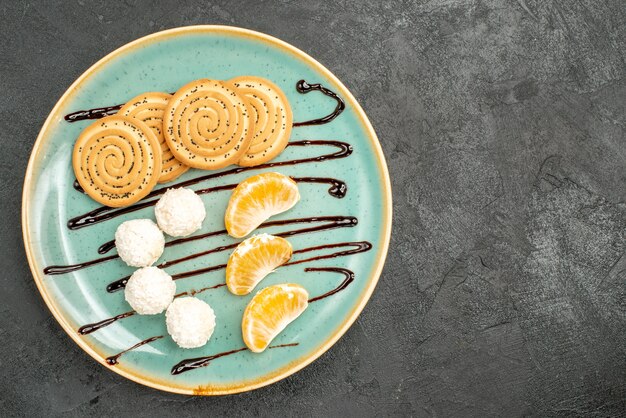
180,212
150,290
190,322
139,242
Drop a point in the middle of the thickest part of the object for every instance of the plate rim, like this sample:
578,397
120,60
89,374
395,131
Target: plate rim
385,234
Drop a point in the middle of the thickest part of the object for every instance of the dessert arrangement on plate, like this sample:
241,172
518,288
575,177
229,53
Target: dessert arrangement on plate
207,124
203,231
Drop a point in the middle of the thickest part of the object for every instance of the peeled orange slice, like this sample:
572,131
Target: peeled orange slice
269,312
254,259
256,199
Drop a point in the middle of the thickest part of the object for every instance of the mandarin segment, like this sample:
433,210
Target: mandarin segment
253,259
269,312
256,199
207,124
150,108
272,115
117,160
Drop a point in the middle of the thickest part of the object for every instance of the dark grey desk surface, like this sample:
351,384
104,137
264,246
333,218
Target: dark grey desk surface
503,123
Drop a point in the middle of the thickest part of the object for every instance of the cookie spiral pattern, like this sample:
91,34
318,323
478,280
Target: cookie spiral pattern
149,108
117,160
207,124
272,115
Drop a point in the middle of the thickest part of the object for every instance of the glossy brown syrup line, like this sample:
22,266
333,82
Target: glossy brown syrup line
95,326
335,222
331,222
337,189
109,245
304,88
95,113
348,278
62,269
341,221
195,363
301,86
89,328
359,247
76,185
113,360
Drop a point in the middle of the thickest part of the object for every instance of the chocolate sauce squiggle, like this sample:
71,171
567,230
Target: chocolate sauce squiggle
301,86
338,188
76,185
54,270
89,328
304,88
113,360
108,246
95,113
359,247
198,362
330,222
195,363
339,221
349,278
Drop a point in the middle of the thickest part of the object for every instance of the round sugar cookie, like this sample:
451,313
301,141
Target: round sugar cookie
272,116
117,160
149,108
207,124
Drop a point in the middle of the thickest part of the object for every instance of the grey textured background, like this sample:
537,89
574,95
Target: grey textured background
503,123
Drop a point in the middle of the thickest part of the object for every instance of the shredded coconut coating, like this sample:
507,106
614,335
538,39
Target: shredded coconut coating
139,242
150,290
190,322
180,212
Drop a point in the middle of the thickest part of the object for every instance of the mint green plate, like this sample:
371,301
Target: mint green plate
163,62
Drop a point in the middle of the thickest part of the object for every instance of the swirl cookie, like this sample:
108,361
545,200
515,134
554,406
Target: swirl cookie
149,108
117,160
272,115
207,124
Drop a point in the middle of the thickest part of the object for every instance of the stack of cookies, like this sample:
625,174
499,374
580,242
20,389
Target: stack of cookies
156,137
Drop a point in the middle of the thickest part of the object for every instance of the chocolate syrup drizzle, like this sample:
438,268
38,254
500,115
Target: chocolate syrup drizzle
89,328
95,113
335,222
59,269
304,88
338,188
349,278
109,245
113,360
338,222
329,222
195,363
301,86
359,247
